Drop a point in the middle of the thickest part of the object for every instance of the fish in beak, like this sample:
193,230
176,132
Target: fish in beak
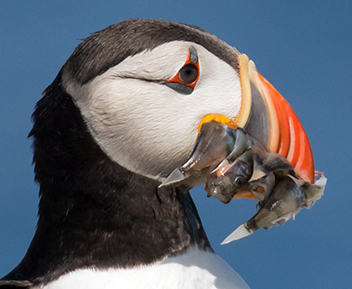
264,154
281,203
266,117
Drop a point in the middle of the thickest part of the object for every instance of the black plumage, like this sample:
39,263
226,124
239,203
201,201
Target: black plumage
92,211
108,47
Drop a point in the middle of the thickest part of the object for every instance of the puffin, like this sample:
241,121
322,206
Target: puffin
122,113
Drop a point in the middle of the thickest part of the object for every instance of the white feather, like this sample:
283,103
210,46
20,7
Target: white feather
193,270
146,126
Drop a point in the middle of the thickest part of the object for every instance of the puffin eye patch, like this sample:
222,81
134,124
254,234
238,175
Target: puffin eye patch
187,77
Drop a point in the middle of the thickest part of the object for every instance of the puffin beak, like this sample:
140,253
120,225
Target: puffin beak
267,116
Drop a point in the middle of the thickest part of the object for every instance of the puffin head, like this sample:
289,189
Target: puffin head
121,115
144,86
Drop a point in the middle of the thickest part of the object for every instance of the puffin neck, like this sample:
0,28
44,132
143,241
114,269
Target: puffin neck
93,212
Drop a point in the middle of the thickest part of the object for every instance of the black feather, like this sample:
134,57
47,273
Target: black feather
92,211
108,47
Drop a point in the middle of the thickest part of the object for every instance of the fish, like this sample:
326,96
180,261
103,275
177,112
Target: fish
287,197
219,151
232,178
233,164
214,143
224,182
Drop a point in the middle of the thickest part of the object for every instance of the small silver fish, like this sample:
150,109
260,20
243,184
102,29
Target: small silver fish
230,160
214,143
244,164
228,178
288,196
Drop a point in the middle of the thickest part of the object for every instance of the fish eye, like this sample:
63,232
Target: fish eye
188,74
239,181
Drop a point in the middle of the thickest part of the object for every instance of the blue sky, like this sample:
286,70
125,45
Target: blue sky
302,47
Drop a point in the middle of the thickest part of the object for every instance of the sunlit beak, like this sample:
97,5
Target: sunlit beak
266,115
270,118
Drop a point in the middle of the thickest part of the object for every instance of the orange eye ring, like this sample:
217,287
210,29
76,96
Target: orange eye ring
188,75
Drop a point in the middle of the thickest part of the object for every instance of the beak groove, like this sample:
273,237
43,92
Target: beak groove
285,133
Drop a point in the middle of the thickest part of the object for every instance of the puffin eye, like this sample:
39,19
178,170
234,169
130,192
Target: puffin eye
188,74
187,77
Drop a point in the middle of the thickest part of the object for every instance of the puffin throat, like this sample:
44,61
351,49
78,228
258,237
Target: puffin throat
92,211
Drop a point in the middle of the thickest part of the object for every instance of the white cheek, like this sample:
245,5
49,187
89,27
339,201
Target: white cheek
148,127
163,62
218,88
139,124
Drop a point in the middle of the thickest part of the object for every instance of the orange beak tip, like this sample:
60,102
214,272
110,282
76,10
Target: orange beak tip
284,133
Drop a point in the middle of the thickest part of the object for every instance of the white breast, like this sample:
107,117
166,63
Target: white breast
193,270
